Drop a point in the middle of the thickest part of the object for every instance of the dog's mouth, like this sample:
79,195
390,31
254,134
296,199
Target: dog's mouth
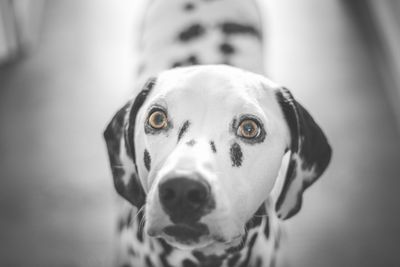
197,236
187,234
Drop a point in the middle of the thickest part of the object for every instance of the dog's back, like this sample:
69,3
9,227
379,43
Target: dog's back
178,33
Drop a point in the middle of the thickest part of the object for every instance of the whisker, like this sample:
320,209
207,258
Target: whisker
138,213
261,216
142,219
142,222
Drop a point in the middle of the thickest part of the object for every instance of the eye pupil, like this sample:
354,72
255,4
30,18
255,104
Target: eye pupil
248,128
159,119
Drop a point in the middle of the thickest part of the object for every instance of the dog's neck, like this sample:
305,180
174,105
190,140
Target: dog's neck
257,248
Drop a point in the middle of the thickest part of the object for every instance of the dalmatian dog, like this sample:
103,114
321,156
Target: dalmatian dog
209,155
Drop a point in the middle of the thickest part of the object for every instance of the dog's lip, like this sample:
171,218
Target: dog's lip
226,241
186,232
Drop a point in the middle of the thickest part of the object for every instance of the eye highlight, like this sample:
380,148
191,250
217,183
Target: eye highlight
248,129
158,120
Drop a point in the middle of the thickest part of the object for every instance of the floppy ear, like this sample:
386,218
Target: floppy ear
119,137
310,154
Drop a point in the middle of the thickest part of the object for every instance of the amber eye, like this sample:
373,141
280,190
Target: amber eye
248,129
158,120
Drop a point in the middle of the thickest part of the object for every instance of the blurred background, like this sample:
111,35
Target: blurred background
66,66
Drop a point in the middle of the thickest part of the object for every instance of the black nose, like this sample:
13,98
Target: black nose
185,200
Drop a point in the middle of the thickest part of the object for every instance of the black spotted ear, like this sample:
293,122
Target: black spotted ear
119,137
310,154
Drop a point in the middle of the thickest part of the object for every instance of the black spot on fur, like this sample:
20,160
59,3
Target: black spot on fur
133,191
189,61
126,265
236,155
193,60
213,148
257,218
166,250
234,125
117,172
189,6
147,160
177,64
125,222
227,49
230,28
189,263
183,129
266,228
192,32
139,218
240,246
191,142
250,245
149,263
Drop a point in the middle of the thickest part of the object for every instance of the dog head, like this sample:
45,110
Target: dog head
201,147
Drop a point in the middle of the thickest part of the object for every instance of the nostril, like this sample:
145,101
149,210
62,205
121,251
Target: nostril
167,194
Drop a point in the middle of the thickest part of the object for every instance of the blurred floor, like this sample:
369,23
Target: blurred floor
56,196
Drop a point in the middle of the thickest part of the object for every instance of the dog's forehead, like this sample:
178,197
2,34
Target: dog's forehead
214,86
